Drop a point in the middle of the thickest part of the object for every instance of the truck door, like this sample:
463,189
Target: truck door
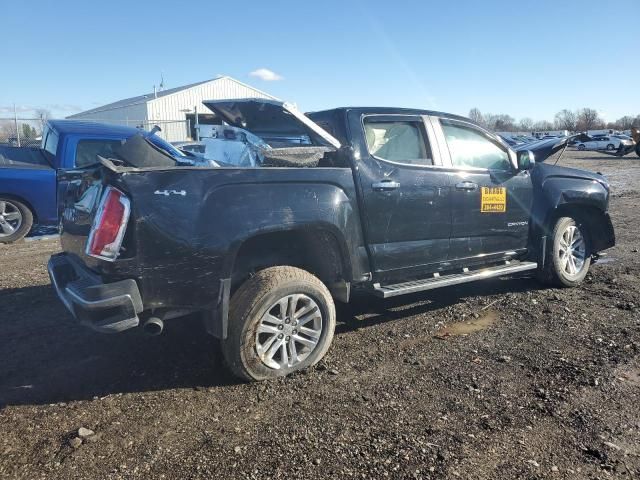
405,193
491,199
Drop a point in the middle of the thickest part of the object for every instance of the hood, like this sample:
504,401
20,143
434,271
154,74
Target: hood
543,149
270,119
545,171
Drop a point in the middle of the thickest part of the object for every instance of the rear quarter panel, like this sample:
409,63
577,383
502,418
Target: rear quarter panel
190,223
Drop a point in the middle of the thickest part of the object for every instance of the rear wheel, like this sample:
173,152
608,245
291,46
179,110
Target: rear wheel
15,220
568,258
280,320
610,146
581,147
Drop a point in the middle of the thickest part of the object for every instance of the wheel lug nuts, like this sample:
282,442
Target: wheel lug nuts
280,336
287,321
288,338
280,327
294,332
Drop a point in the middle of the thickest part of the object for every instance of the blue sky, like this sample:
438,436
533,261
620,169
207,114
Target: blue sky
527,59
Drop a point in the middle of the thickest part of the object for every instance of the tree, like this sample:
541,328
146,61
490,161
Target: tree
624,123
476,115
566,120
43,115
543,126
504,123
588,119
28,132
526,124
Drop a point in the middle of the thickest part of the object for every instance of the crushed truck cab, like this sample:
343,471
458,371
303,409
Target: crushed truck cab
383,201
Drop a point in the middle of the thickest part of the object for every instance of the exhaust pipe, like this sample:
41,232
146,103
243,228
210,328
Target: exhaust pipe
153,326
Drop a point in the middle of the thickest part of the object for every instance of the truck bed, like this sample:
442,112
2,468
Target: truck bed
19,157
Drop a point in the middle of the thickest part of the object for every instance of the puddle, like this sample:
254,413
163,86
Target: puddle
486,320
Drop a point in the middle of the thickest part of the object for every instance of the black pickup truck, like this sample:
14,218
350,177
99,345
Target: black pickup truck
384,201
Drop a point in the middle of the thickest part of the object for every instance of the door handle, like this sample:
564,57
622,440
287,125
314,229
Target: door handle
469,186
385,185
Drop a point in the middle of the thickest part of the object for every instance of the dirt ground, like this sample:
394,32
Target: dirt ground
538,383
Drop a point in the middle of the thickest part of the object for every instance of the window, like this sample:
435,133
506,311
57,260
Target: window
397,141
51,142
470,148
88,150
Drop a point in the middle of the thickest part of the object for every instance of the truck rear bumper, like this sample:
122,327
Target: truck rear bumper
103,307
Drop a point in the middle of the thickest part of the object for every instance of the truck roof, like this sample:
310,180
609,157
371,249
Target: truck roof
391,111
83,127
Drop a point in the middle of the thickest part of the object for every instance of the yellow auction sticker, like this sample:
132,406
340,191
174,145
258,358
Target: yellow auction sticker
493,200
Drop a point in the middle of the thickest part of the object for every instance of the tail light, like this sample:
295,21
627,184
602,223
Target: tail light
109,225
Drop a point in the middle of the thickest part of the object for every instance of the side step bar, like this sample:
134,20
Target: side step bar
437,281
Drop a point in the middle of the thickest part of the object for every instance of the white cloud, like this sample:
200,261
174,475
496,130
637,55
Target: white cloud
266,75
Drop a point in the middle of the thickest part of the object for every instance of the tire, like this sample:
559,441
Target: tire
16,220
611,147
558,269
581,147
638,149
256,304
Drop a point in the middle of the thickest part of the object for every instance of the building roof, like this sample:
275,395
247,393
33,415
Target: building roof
159,94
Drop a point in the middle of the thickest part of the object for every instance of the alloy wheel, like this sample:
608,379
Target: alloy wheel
10,218
289,331
572,251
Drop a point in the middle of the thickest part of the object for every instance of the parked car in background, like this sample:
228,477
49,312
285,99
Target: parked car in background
29,176
602,142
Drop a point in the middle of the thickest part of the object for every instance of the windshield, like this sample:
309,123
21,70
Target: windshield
167,147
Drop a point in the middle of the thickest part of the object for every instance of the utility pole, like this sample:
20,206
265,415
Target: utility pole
195,109
15,120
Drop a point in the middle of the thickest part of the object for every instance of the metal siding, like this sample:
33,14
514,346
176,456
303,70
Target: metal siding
168,108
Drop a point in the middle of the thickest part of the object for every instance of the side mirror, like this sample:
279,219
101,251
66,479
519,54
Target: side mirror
526,160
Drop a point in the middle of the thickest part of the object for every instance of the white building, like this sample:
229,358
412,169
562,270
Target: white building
173,110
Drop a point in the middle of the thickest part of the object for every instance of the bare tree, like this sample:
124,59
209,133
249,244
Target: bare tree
526,124
588,119
476,115
504,123
43,115
624,123
566,120
543,126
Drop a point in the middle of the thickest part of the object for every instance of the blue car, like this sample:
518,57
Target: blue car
29,177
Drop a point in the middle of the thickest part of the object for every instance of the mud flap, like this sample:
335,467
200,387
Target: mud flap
216,321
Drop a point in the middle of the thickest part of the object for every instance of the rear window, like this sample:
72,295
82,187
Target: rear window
87,151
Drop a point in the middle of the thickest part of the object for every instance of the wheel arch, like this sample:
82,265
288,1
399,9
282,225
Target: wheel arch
318,249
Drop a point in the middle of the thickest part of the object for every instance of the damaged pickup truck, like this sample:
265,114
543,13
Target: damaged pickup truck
382,201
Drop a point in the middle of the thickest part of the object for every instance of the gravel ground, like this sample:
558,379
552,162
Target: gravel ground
535,383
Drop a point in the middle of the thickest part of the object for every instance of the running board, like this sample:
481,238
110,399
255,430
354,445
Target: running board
437,281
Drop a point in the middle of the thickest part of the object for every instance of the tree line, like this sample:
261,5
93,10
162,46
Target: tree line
575,121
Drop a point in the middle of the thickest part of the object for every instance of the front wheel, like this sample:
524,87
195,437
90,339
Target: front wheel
281,320
568,258
610,147
581,147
